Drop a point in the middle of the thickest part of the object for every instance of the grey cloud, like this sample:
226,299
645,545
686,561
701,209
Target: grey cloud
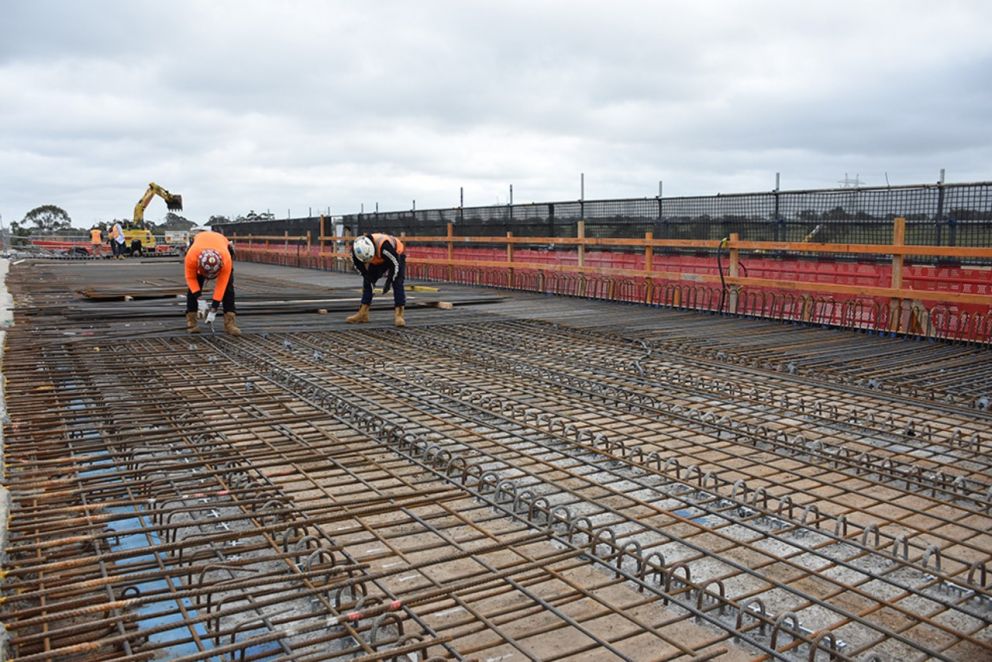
241,105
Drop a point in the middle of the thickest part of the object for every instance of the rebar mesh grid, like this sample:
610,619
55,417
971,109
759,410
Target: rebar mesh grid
490,489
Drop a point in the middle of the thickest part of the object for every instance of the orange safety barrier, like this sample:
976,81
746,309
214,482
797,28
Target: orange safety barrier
949,302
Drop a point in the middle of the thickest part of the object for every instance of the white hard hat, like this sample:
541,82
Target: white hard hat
364,249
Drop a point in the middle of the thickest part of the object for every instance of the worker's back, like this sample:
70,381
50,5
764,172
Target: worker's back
209,239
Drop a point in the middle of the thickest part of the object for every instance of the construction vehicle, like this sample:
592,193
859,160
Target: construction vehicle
177,238
137,230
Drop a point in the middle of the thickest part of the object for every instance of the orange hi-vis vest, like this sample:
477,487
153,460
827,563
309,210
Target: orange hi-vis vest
378,239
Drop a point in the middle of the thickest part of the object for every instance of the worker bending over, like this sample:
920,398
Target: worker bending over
210,256
374,255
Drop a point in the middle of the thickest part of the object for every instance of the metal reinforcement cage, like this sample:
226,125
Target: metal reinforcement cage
936,214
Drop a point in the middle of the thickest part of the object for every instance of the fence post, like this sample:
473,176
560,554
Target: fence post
940,210
451,248
648,266
735,270
581,232
895,305
320,239
509,258
779,221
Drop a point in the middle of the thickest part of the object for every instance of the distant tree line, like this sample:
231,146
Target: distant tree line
46,219
53,220
252,216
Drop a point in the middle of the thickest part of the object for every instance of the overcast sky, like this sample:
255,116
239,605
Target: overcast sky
291,105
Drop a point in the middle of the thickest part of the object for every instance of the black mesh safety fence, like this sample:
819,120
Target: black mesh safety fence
294,227
936,214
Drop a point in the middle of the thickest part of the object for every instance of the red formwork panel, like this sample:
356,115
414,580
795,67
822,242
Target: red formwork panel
57,245
968,322
975,280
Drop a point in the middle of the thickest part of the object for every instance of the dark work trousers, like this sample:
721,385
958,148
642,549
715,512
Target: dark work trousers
377,271
227,301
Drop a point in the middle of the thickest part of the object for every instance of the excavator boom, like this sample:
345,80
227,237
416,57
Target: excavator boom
136,233
173,201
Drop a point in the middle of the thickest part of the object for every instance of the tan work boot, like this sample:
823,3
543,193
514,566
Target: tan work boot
398,317
360,317
191,326
229,326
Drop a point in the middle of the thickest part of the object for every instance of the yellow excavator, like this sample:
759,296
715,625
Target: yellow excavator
137,229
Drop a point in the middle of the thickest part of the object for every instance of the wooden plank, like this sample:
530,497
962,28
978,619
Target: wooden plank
648,266
691,244
865,249
120,293
860,290
570,268
265,237
792,285
735,272
898,238
898,250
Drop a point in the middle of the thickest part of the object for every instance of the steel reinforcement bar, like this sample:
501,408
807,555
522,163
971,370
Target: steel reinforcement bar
493,489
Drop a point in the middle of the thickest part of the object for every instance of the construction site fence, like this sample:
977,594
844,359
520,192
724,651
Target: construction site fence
831,284
74,245
936,214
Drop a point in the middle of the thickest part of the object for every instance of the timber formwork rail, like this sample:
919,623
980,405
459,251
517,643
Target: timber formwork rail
492,490
953,310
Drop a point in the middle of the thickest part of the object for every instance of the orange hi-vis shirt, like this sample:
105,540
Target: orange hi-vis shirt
378,239
95,236
201,242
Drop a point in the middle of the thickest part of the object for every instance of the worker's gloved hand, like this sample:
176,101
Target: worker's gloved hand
211,316
201,309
